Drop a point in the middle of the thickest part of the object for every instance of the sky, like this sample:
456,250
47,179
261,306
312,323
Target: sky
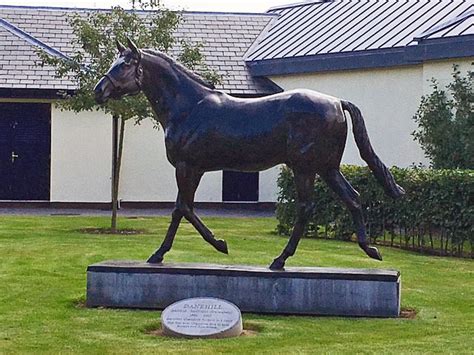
192,5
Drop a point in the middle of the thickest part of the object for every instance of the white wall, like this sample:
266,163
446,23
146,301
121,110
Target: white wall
267,185
148,176
388,98
210,188
442,70
81,151
81,163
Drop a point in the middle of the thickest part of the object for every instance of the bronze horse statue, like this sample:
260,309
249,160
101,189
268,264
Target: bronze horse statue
207,130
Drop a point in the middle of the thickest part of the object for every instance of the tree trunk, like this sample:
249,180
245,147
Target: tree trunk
431,237
446,243
116,176
442,241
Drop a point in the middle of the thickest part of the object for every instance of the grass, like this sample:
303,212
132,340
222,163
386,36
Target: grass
43,280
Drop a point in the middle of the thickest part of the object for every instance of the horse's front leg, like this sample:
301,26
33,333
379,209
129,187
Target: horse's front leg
165,247
188,180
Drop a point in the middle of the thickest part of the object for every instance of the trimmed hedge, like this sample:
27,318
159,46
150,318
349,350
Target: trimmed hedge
437,213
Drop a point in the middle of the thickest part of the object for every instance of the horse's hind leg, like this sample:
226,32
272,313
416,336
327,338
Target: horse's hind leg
338,183
188,180
304,189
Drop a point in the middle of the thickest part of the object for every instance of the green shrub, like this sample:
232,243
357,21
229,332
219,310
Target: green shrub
436,214
445,120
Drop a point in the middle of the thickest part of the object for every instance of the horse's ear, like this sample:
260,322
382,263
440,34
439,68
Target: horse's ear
133,47
120,46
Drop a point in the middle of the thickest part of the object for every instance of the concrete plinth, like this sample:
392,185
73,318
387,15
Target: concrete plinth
305,290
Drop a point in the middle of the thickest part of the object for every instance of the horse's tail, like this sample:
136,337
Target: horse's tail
380,171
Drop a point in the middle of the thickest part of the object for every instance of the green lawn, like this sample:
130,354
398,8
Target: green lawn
43,281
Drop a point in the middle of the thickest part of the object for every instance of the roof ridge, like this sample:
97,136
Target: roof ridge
300,3
31,39
259,38
65,8
225,13
444,25
312,2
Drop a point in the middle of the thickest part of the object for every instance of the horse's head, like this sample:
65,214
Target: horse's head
123,77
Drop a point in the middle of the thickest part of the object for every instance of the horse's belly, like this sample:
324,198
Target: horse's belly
227,153
249,157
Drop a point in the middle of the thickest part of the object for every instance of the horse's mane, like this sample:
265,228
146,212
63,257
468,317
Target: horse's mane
180,67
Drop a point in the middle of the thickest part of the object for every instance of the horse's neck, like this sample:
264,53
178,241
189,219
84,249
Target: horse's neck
172,96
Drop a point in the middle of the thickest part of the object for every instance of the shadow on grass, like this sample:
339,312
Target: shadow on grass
408,313
140,218
79,302
154,329
109,231
250,328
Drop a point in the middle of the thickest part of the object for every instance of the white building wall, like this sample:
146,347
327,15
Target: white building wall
442,70
148,176
267,185
388,98
81,162
81,151
210,188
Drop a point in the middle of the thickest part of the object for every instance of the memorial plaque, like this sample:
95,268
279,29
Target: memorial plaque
202,317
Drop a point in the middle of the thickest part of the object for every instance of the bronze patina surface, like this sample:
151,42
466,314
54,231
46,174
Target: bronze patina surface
207,130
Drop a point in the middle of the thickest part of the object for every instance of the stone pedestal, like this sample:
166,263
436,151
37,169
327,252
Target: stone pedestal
305,290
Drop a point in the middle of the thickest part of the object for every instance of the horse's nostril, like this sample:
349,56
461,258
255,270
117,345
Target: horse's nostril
101,91
99,96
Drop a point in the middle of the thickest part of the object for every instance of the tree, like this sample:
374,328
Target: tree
445,121
95,50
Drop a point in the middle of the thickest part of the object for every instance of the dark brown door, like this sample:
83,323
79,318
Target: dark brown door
237,186
25,148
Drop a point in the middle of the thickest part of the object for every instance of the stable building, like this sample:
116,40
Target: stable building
63,158
380,55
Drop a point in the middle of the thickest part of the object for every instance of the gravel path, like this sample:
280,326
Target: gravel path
129,212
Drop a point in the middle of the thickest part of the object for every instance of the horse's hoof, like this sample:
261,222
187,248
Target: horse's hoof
397,192
155,259
277,264
221,246
374,253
